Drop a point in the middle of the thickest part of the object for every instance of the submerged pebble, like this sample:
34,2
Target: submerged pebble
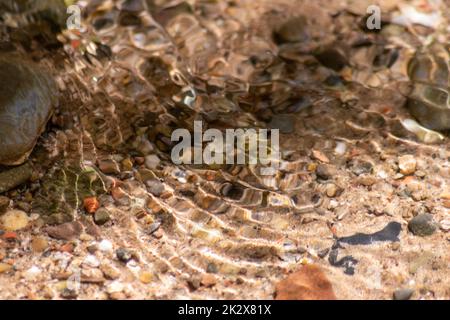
422,225
28,96
13,177
308,283
403,294
14,220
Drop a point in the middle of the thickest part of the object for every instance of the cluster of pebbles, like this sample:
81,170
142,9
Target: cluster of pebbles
98,210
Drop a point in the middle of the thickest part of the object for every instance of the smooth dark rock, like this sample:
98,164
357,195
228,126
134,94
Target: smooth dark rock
325,171
28,96
123,255
403,294
13,177
422,225
102,216
332,58
293,30
4,203
282,122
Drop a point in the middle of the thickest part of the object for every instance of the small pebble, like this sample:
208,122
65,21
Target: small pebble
91,204
91,261
108,166
152,161
115,287
69,294
403,294
208,280
293,30
39,244
123,255
325,171
155,187
445,225
331,190
212,268
282,122
446,203
319,155
407,164
110,272
14,220
105,246
32,273
102,216
4,267
341,148
4,203
127,164
422,225
65,231
367,180
146,277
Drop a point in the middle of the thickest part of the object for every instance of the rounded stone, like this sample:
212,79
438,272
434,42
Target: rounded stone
403,294
14,220
429,100
123,255
102,216
293,30
422,225
28,95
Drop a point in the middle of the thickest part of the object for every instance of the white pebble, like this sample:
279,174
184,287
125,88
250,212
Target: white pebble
105,246
152,161
341,147
91,261
115,287
32,272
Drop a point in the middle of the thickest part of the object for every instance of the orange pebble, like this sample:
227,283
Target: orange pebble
9,235
68,247
91,204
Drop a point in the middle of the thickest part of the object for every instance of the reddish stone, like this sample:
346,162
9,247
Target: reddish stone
9,235
91,204
65,231
68,247
308,283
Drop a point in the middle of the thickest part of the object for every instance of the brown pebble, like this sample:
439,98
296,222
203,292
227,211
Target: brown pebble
325,171
331,190
118,193
5,267
367,180
67,247
208,280
407,164
39,244
110,272
319,155
92,229
4,203
127,164
108,166
446,203
158,234
308,283
65,231
139,160
146,277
